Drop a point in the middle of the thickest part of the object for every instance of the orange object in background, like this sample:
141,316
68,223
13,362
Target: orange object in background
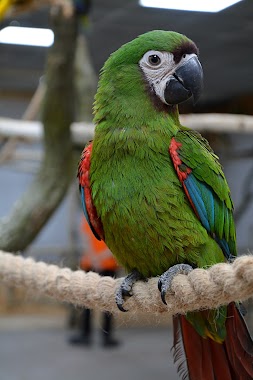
97,256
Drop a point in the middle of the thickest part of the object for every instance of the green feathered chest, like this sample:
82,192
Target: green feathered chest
147,220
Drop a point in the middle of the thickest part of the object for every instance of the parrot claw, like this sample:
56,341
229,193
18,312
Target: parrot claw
165,280
125,289
231,259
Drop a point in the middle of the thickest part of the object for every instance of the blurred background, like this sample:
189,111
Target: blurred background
47,85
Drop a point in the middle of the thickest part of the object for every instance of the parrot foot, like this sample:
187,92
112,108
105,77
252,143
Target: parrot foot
231,259
125,289
165,280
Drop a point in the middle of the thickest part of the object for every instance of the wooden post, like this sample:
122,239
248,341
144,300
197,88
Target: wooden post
31,212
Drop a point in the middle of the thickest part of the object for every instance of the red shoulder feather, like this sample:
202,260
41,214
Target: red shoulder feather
182,170
89,209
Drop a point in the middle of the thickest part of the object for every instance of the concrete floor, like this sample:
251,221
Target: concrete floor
36,348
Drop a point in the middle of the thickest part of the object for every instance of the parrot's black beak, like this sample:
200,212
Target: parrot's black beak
186,81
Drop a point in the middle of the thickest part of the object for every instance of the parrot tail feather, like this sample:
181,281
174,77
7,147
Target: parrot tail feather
238,343
178,350
203,358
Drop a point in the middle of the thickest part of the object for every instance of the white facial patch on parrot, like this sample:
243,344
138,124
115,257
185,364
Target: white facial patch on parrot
158,68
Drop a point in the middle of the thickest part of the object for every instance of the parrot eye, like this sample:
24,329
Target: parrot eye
154,60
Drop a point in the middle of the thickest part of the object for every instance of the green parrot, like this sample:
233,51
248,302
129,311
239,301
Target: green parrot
155,192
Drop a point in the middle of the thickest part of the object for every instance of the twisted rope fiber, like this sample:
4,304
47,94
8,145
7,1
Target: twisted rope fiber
210,288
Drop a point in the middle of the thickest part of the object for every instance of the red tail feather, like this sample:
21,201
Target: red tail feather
205,359
238,344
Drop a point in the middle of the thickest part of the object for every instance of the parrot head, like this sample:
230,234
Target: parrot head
174,76
168,62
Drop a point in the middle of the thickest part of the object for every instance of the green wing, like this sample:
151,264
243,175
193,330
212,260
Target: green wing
205,185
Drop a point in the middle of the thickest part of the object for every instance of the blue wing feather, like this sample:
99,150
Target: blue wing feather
206,202
84,205
86,213
196,197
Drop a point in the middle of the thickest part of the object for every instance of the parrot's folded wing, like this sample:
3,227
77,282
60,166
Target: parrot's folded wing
89,209
204,183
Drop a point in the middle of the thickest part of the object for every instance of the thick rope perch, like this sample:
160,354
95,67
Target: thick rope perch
219,285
